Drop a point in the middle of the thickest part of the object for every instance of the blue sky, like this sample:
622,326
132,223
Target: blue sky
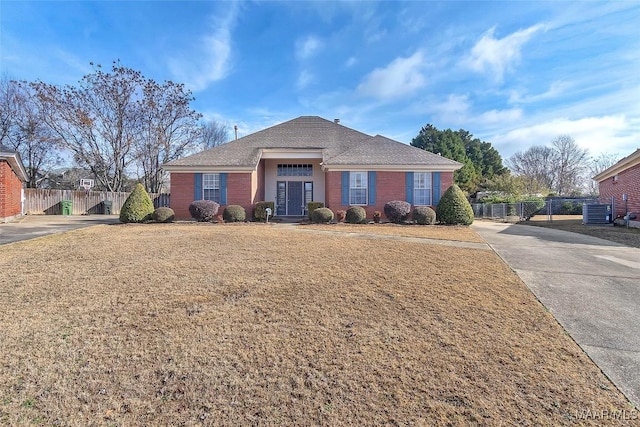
515,74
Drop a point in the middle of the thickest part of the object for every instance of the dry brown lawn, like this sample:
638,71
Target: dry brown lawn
457,233
573,223
201,324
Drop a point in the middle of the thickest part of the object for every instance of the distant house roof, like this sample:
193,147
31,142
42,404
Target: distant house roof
339,146
631,160
13,158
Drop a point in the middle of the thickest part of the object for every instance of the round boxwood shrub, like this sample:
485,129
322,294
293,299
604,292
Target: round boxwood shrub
138,207
234,213
260,211
423,215
203,210
322,215
454,208
312,206
356,215
397,211
163,215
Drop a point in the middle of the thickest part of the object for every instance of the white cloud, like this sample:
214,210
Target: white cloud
304,79
350,62
308,47
208,61
597,134
497,56
400,77
555,90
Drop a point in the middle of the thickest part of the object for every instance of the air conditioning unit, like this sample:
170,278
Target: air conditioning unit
597,214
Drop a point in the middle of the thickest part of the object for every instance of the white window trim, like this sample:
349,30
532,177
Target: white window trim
430,188
366,189
204,188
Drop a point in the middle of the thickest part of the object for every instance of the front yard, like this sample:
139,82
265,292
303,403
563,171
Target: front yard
249,324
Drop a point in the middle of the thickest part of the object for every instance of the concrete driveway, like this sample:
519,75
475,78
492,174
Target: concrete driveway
32,226
590,285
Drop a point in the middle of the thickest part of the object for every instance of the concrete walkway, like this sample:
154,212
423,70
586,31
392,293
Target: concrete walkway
31,226
590,285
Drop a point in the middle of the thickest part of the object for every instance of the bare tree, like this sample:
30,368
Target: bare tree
536,166
213,134
97,121
22,128
559,168
169,129
570,167
598,164
8,108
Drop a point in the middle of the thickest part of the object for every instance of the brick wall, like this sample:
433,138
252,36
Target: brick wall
389,186
239,192
628,182
182,193
10,192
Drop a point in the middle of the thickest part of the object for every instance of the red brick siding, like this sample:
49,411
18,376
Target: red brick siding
239,192
446,181
628,182
10,192
182,193
389,186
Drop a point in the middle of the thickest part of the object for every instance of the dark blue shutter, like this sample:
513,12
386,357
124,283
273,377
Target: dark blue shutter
197,194
371,181
435,185
345,188
409,185
223,188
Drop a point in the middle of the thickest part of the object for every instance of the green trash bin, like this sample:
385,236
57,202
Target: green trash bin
67,207
107,207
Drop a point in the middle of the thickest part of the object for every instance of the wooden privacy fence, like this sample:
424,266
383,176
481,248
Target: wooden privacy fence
49,202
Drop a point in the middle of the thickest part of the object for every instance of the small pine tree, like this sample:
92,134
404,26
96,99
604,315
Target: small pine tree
454,208
138,207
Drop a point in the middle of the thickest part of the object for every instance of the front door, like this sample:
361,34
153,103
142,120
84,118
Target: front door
294,198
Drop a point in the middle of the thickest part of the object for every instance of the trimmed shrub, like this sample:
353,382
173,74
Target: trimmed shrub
203,210
423,215
164,215
322,215
397,211
234,213
356,215
260,211
454,208
312,206
138,207
340,215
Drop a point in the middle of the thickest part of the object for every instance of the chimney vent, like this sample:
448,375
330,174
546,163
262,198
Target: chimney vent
336,121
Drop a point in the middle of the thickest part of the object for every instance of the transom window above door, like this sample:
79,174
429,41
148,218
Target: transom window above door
295,170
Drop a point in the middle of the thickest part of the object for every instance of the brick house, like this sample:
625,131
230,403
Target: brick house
622,178
12,177
310,159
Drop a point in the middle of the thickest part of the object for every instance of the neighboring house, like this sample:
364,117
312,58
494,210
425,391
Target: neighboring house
310,159
12,178
620,179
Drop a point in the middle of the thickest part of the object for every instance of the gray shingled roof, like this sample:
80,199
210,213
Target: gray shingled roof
340,145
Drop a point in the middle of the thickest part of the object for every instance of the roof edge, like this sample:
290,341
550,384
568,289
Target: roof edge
623,164
14,160
393,168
